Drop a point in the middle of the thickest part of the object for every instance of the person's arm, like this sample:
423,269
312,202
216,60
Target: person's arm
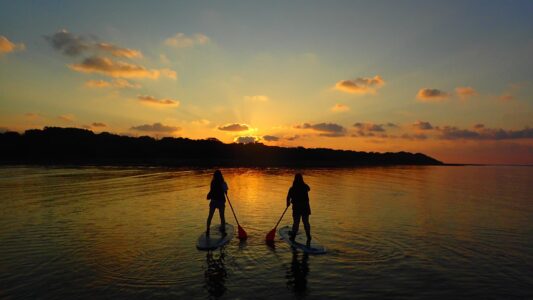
225,187
289,198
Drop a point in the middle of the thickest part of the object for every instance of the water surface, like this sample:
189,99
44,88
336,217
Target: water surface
394,232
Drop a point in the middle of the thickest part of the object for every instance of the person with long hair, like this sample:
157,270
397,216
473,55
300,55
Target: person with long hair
299,197
217,195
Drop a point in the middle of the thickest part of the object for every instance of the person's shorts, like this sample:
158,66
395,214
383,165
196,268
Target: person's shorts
216,204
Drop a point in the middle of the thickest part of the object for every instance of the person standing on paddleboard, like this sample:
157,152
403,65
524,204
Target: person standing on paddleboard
299,197
217,195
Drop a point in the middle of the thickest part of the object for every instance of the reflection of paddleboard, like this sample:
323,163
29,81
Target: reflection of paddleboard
300,241
215,238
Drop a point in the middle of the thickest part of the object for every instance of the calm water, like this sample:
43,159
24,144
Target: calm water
397,232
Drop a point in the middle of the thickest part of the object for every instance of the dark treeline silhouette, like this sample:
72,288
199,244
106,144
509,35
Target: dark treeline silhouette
54,145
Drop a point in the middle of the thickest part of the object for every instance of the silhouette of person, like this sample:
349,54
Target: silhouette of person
215,275
297,273
299,197
217,195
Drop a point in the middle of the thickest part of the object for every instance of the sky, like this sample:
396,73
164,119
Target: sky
450,79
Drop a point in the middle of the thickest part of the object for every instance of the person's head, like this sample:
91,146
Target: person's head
298,179
217,176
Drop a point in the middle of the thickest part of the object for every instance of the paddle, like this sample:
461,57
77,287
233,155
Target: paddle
270,236
242,233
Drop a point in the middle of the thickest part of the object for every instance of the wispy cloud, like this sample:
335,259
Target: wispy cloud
370,127
270,138
98,124
155,127
67,118
234,127
73,45
361,85
256,98
325,129
117,83
483,133
69,43
431,95
465,92
422,125
118,69
119,51
6,46
100,58
181,40
162,102
340,108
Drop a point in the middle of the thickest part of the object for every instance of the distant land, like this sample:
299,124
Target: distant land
56,145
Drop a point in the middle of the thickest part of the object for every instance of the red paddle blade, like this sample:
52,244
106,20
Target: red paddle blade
242,233
271,235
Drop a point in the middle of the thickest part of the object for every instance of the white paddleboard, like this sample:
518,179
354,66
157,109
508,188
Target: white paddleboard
300,241
215,238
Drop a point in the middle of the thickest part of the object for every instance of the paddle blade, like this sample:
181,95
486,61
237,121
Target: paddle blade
242,233
271,235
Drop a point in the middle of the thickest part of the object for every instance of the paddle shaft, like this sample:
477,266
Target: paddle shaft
281,217
235,216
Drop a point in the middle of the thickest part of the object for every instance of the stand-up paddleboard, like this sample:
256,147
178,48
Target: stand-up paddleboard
215,238
300,241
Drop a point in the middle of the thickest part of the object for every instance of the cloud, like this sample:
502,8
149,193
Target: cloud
419,136
202,122
150,100
119,51
483,133
421,125
67,118
370,127
246,139
506,97
391,125
340,108
428,95
118,69
32,115
361,85
6,46
118,83
270,138
325,129
234,127
293,138
74,45
68,43
156,127
181,40
465,92
98,124
256,98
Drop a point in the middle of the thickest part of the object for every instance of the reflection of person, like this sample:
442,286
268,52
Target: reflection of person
299,197
215,275
217,195
297,274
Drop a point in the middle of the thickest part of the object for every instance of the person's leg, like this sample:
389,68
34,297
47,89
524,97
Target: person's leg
295,224
222,219
307,226
209,217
